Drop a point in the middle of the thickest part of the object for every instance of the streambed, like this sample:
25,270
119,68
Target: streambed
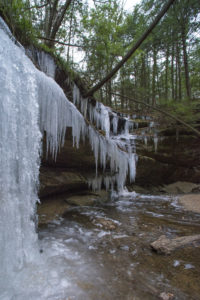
103,251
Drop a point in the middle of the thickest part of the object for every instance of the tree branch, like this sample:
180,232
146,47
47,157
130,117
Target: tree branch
58,42
37,6
161,111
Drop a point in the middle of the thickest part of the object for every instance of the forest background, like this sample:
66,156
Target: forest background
91,37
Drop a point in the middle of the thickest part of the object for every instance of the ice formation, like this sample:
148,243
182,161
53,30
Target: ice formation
119,150
33,103
98,114
19,160
46,63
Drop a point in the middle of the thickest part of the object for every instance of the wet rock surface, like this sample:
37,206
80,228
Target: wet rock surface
175,159
54,181
181,187
165,245
166,296
191,202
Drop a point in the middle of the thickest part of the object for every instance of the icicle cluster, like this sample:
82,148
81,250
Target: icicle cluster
46,63
56,114
98,114
106,149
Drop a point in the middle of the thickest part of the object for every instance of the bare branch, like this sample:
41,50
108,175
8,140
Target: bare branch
58,42
37,6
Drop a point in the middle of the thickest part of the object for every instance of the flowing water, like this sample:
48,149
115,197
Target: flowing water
103,252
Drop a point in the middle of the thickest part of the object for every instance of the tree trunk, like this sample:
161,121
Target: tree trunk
122,87
176,76
70,32
179,73
154,76
172,72
166,73
143,78
52,15
185,59
58,21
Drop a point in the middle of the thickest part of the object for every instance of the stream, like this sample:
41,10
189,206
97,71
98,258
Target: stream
103,251
99,252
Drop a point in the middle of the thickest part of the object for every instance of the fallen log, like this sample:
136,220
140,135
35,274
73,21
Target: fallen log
165,245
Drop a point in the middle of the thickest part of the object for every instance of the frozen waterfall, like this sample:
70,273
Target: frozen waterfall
31,104
19,157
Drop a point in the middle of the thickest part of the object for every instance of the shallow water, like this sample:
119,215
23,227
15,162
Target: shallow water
103,252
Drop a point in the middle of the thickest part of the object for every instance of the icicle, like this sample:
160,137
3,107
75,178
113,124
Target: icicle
95,183
126,126
155,140
115,123
132,167
98,114
46,63
76,95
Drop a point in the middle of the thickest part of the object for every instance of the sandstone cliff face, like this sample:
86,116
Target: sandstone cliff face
174,160
66,174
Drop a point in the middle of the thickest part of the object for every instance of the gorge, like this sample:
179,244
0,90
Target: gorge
97,252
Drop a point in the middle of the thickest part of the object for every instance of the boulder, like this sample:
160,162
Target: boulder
104,223
87,198
181,187
165,245
166,296
82,200
191,202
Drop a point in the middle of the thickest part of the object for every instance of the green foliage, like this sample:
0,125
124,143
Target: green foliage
105,32
187,111
18,17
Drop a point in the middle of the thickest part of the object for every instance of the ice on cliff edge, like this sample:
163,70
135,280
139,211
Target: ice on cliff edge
32,103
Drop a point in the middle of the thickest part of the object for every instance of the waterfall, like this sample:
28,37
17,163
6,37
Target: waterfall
19,158
33,103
